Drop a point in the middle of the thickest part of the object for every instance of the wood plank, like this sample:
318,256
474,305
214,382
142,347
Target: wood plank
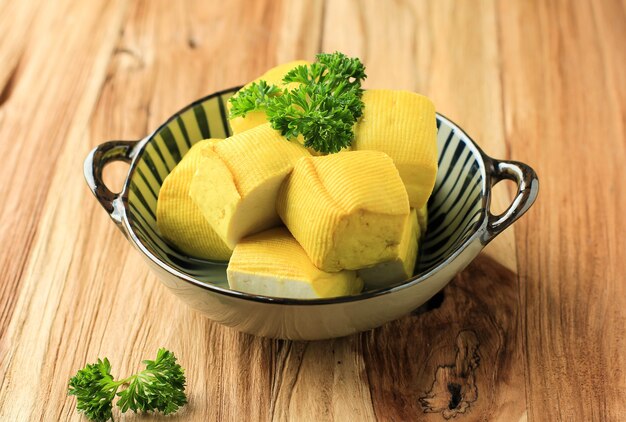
40,117
565,97
36,118
16,26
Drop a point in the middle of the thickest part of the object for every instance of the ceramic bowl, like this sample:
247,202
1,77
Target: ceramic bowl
460,225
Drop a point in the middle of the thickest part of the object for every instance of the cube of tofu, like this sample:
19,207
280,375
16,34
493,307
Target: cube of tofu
422,218
236,184
274,76
401,268
347,210
179,220
273,263
403,125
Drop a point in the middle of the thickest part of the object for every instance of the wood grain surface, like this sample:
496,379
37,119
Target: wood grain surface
532,330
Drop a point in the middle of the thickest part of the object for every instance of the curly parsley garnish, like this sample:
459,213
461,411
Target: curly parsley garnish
159,387
323,108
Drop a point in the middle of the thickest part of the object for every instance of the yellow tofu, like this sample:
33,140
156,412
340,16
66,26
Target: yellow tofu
236,184
179,220
401,268
274,76
273,263
403,125
347,210
422,218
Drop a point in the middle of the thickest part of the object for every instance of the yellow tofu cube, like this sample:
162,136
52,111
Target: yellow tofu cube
179,220
401,268
403,125
273,263
236,184
422,218
347,210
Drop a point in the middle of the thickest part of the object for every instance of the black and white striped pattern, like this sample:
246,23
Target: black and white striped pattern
455,208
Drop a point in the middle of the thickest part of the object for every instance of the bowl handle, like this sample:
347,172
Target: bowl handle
95,162
527,190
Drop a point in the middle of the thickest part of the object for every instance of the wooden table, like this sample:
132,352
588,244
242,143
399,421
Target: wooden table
533,329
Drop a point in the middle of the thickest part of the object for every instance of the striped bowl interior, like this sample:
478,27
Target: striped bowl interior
455,209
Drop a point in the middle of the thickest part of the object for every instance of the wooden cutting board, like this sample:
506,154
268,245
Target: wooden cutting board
533,329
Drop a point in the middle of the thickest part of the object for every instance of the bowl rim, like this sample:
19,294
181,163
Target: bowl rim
369,294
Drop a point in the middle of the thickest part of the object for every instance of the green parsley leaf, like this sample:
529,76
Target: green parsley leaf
324,121
323,108
94,389
159,387
254,97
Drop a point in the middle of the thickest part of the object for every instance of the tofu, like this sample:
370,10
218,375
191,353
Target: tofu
402,267
347,210
422,218
236,184
179,219
403,125
273,263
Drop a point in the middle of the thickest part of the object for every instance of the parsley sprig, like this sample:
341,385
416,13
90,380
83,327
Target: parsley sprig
323,108
159,387
254,97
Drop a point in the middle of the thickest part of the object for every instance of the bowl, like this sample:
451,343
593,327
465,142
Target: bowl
460,225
